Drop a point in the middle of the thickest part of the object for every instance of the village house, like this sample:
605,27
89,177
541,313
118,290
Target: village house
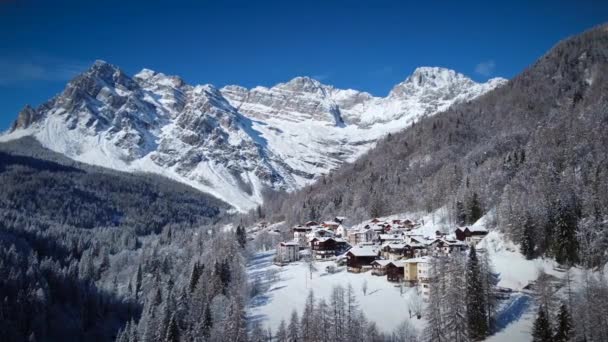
341,231
393,250
415,249
300,233
319,233
330,225
360,258
384,238
339,219
379,267
445,247
393,269
287,252
361,236
471,235
416,272
327,247
407,223
311,224
410,236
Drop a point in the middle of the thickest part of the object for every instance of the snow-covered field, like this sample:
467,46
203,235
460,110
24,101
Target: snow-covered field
384,304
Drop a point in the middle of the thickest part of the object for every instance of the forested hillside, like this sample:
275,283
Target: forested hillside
534,150
71,240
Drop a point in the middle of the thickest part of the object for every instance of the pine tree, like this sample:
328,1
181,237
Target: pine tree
461,214
322,316
490,280
454,302
475,210
293,330
241,236
172,330
435,330
194,276
565,245
138,281
541,331
235,326
528,242
351,314
564,325
307,330
476,305
281,335
207,323
257,334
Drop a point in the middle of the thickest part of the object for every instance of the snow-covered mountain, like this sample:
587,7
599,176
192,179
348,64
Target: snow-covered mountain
231,142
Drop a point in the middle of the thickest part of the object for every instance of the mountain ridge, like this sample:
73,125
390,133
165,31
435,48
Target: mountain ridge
232,142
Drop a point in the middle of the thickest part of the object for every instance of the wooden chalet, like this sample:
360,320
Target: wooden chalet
393,250
385,238
471,235
327,247
360,258
443,246
414,249
408,223
393,269
311,223
379,267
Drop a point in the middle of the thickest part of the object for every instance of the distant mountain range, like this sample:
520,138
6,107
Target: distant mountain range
231,142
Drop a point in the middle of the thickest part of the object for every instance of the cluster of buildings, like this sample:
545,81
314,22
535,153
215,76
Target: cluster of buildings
394,248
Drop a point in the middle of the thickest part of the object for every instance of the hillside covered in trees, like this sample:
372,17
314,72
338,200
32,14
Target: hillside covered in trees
533,152
70,240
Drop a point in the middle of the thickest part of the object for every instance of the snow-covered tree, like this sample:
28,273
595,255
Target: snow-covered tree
476,306
541,331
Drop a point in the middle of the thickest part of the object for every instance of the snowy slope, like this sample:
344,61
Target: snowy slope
231,142
384,303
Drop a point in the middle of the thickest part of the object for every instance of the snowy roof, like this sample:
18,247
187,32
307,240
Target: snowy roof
322,232
394,245
423,259
384,263
363,251
416,244
360,231
290,243
323,239
476,229
390,237
381,262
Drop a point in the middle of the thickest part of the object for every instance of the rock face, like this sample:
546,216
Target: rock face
232,142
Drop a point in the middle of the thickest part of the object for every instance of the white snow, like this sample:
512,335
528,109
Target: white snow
383,303
283,137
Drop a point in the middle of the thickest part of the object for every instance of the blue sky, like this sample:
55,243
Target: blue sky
366,45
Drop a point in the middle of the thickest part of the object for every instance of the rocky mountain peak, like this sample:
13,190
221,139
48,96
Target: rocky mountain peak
302,84
232,142
24,119
431,79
